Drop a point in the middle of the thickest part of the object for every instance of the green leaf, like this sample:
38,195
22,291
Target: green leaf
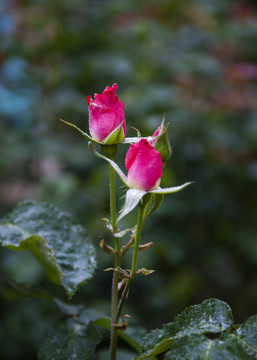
69,340
238,345
62,246
194,347
247,332
87,315
131,336
68,309
12,290
211,316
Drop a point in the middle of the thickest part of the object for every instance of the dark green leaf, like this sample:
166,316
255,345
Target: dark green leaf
211,316
12,290
194,347
238,345
68,309
69,340
246,338
88,315
131,336
62,246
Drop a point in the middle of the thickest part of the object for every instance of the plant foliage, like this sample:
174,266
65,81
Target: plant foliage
62,246
205,332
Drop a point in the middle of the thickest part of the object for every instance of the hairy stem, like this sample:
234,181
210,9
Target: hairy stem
116,307
140,221
115,279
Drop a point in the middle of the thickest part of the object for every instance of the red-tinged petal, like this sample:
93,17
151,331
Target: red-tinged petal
106,113
89,100
101,122
144,166
155,134
131,155
108,97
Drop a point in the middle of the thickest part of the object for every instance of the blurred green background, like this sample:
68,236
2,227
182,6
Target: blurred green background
195,61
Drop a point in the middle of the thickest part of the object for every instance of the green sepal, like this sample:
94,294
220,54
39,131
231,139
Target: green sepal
115,137
109,150
133,197
158,199
85,135
170,190
133,140
146,202
162,143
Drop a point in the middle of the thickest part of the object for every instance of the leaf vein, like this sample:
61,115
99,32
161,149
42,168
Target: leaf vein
17,228
245,343
208,350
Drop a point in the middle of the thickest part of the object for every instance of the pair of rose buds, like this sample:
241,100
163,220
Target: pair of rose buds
145,157
107,125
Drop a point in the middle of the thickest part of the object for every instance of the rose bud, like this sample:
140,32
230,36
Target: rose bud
144,165
161,142
107,123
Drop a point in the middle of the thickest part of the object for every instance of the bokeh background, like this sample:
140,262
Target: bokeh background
195,61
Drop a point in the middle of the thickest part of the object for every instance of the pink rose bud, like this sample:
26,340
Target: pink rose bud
107,123
161,142
155,135
144,165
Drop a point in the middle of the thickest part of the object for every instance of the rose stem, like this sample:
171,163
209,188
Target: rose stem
140,221
115,279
